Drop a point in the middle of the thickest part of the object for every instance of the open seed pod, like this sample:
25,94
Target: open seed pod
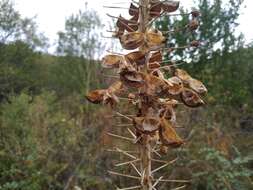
133,10
197,86
154,38
118,33
132,40
194,84
116,88
136,57
96,96
168,113
154,65
110,98
122,23
132,78
174,85
156,57
170,6
191,98
183,75
193,25
112,61
154,85
146,125
168,135
155,8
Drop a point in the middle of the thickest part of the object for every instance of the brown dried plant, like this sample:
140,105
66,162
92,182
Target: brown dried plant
155,97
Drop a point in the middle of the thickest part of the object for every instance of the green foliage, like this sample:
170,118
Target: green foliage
13,27
219,172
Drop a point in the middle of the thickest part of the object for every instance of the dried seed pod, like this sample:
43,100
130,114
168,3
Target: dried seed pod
110,98
116,88
132,40
154,65
195,13
193,25
156,57
154,85
146,125
137,57
170,6
96,96
122,23
155,8
154,38
163,149
182,74
118,33
112,61
133,10
174,85
197,86
191,98
195,43
168,135
132,78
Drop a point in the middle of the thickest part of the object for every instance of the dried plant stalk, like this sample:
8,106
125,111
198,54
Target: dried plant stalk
155,97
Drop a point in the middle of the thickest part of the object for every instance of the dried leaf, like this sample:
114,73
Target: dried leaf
168,135
136,57
146,125
132,40
191,98
112,61
170,6
96,96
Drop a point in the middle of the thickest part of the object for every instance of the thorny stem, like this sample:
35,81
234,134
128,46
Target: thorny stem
145,145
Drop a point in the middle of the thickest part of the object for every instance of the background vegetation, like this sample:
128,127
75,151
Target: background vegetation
51,138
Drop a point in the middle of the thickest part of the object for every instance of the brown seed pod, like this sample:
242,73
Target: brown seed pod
154,65
136,57
154,85
132,78
132,40
195,43
146,125
168,135
96,96
183,75
193,25
155,8
163,149
195,13
156,57
174,85
154,38
112,61
170,6
197,86
116,88
133,10
191,98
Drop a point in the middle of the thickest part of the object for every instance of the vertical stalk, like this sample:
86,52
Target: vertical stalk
145,146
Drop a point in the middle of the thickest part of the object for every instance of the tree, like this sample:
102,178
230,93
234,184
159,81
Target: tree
81,39
13,27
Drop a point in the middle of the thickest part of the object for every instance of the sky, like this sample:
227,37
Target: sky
51,14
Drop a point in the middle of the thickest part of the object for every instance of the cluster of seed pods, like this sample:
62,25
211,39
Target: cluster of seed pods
153,88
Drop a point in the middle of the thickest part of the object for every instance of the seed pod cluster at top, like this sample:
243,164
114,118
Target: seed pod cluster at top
144,80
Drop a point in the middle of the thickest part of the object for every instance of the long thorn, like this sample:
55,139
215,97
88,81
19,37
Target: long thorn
131,132
126,163
123,175
120,137
135,169
124,116
181,187
157,181
128,188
